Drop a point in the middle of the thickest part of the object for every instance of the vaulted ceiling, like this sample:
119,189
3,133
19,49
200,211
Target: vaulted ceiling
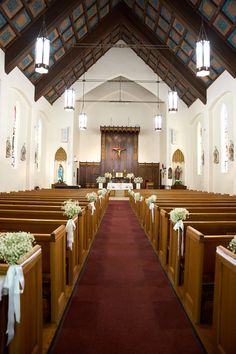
162,32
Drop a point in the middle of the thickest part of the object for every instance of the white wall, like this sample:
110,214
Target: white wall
223,90
15,88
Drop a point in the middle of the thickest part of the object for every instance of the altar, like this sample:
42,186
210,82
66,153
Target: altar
119,186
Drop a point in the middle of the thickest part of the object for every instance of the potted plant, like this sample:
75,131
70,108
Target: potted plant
100,180
138,181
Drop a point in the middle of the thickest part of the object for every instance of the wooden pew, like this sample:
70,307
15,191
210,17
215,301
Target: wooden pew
199,270
224,317
28,333
52,239
176,264
73,262
162,241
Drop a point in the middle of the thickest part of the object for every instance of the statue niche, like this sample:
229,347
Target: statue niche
60,166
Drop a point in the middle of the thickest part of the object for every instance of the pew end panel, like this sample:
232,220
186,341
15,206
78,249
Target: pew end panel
199,274
224,315
28,333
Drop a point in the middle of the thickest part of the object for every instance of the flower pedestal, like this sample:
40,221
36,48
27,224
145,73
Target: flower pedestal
100,185
138,185
31,307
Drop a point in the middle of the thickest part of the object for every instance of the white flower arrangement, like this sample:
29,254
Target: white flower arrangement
102,192
91,197
71,208
138,180
232,245
151,199
101,179
130,175
108,175
178,214
137,197
132,193
13,245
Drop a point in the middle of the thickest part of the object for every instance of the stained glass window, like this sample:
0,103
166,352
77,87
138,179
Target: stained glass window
199,148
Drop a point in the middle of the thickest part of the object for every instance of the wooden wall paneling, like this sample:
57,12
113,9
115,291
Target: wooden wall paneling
88,172
150,172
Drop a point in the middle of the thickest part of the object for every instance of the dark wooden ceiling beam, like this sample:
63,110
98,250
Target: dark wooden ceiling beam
184,12
182,72
53,16
76,54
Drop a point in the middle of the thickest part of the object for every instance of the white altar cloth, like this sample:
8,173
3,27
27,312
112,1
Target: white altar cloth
119,186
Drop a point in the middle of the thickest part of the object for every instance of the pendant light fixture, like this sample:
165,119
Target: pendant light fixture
172,101
158,116
69,103
42,51
83,115
203,53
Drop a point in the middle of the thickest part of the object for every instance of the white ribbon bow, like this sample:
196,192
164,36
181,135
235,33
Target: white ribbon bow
100,198
14,282
70,227
92,207
151,207
179,225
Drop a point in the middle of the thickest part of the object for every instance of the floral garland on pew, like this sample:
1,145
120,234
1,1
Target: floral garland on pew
232,245
137,197
13,246
177,215
92,197
150,201
101,194
71,208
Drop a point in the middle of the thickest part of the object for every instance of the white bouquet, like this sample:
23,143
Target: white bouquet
151,199
108,175
178,214
14,245
232,245
137,197
102,192
138,180
130,175
71,208
91,197
101,179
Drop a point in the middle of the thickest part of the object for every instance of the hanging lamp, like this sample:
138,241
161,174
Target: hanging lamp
42,51
172,101
83,116
158,116
203,53
69,103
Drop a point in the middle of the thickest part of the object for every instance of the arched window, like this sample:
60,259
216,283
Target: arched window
38,143
15,126
199,148
224,139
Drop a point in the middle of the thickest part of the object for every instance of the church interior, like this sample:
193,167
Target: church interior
117,153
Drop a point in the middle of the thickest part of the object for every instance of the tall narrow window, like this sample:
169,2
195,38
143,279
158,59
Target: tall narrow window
14,134
224,139
38,143
199,148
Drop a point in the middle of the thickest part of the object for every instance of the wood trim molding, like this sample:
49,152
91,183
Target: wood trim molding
112,129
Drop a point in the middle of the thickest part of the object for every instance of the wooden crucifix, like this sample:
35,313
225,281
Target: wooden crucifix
118,151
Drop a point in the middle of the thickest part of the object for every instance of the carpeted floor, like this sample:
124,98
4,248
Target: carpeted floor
123,303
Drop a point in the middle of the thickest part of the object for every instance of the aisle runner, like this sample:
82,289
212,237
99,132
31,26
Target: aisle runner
124,304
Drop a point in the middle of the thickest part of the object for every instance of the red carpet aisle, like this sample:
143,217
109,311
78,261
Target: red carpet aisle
124,304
